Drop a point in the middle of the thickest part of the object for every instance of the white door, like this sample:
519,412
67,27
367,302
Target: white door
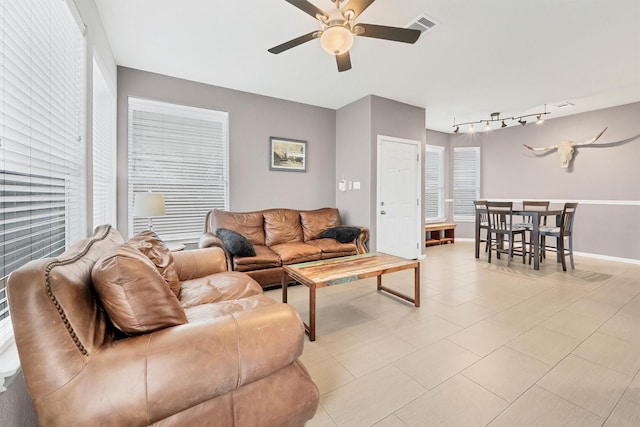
399,222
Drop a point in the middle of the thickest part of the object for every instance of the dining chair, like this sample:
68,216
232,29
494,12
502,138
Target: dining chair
500,215
562,230
483,224
528,224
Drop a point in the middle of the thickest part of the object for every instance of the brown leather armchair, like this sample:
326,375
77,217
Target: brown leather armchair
233,363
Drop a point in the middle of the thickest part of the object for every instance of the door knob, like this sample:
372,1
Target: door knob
383,212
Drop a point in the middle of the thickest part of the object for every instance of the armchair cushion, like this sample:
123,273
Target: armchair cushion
342,234
133,293
235,243
215,288
155,249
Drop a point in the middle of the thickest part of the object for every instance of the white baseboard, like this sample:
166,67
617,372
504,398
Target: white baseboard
608,258
582,254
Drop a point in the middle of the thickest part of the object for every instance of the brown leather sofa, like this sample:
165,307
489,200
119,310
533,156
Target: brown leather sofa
280,237
231,359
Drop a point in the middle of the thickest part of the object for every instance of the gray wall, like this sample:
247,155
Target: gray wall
357,128
353,160
252,120
604,178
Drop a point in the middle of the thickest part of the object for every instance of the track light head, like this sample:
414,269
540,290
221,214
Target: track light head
522,122
457,129
504,125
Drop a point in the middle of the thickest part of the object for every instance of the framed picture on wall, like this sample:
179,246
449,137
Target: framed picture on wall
287,155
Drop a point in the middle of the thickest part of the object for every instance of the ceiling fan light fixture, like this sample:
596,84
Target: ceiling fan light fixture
336,40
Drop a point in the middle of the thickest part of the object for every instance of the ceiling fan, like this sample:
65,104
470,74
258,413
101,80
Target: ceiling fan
337,28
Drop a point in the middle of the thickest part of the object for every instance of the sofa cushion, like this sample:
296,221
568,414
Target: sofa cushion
235,242
265,258
155,249
249,224
331,248
282,226
295,252
316,221
342,234
133,293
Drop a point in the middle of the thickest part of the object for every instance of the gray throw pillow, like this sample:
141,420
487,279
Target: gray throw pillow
343,233
236,243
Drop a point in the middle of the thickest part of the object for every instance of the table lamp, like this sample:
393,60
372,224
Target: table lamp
148,205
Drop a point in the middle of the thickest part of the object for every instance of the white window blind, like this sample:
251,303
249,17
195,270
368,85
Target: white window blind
466,182
181,152
434,183
41,123
104,149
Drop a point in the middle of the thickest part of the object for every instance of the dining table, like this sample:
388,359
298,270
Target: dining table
536,215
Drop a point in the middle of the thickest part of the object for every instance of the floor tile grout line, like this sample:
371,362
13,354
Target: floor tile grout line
573,403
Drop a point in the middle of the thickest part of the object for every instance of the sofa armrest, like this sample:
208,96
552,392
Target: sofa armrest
209,239
200,262
147,378
362,240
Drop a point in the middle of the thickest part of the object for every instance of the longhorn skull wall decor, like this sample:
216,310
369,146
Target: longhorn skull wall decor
565,148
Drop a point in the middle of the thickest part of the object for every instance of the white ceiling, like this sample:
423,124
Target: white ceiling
507,56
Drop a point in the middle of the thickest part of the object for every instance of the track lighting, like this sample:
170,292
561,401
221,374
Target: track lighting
495,117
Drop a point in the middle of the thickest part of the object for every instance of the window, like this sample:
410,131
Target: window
42,154
466,182
434,184
104,149
180,152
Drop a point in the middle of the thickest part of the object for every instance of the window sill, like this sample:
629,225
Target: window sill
9,366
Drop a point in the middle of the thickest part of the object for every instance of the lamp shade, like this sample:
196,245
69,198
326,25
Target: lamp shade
148,204
336,40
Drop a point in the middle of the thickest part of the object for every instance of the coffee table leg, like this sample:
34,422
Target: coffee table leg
312,313
416,285
285,282
379,281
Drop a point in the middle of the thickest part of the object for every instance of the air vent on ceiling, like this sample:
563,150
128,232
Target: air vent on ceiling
423,23
565,104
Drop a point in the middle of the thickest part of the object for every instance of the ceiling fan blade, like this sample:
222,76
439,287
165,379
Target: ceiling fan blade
344,61
357,6
293,43
405,35
307,7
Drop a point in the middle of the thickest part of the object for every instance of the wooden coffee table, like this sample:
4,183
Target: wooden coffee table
319,274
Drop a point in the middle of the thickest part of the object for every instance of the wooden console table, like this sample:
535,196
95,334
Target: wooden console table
437,234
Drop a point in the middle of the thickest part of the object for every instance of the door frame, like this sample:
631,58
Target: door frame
418,188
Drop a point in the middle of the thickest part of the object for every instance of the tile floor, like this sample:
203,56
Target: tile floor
490,345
